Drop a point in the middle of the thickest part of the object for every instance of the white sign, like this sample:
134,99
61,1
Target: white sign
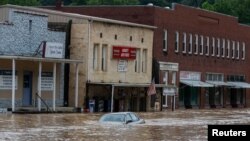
122,66
6,82
188,75
53,50
47,81
169,91
167,66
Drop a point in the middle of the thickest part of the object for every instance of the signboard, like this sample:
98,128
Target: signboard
169,91
122,65
188,75
168,66
121,52
47,81
53,50
6,80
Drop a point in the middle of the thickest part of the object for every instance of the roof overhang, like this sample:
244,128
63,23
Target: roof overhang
196,83
37,59
131,84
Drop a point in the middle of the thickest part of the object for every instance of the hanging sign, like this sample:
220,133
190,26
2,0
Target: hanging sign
53,50
121,52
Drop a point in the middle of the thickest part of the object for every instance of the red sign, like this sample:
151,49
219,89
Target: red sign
121,52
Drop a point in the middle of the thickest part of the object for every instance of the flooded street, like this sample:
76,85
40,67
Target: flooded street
180,125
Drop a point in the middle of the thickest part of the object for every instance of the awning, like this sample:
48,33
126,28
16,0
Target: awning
219,83
196,83
240,84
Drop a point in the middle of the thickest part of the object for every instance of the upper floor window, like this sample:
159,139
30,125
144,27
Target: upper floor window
223,48
243,51
196,44
207,46
190,44
104,57
214,77
184,43
165,41
233,49
144,60
137,60
95,56
201,45
218,47
238,50
213,47
228,48
176,41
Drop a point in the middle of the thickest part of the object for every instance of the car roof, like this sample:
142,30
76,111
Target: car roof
118,113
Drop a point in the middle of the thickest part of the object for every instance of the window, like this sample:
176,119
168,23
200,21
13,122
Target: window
213,47
238,50
131,38
137,60
142,40
223,48
104,57
30,26
243,51
144,60
165,78
218,47
201,45
100,35
207,46
184,43
95,56
176,41
214,77
196,44
165,41
115,37
174,78
228,48
233,49
190,44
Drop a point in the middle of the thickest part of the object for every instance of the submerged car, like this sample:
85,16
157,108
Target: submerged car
121,117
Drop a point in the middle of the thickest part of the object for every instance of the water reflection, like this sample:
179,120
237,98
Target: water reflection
177,125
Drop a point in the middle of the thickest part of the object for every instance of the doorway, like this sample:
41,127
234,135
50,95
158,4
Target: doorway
27,88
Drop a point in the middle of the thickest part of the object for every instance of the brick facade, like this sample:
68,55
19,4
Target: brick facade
187,20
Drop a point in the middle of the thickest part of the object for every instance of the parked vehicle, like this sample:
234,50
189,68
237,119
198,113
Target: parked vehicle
121,118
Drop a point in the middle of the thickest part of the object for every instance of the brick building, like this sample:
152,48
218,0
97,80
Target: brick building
207,50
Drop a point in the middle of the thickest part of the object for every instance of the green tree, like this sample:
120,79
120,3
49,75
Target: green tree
79,2
24,2
47,2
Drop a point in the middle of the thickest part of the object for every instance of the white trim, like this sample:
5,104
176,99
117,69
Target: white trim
243,51
54,87
13,84
190,43
201,45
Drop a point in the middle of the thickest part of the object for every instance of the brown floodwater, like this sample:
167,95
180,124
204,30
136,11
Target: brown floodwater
178,125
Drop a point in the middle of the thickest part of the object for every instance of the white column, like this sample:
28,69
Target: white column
54,87
13,84
76,85
39,86
112,98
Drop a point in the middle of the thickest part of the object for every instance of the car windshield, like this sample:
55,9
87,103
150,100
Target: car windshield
113,118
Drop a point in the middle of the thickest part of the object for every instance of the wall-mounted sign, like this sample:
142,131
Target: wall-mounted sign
121,52
169,91
6,80
122,65
53,50
188,75
47,81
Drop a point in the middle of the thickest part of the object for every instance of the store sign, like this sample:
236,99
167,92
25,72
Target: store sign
188,75
120,52
122,65
168,66
53,50
6,80
47,81
169,91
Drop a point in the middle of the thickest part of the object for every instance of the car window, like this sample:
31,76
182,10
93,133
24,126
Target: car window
128,117
113,118
134,117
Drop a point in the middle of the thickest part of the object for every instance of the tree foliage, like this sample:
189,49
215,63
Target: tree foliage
238,8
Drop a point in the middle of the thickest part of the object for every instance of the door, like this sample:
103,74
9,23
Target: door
27,88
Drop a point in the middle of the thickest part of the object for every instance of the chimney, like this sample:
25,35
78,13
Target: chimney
59,4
